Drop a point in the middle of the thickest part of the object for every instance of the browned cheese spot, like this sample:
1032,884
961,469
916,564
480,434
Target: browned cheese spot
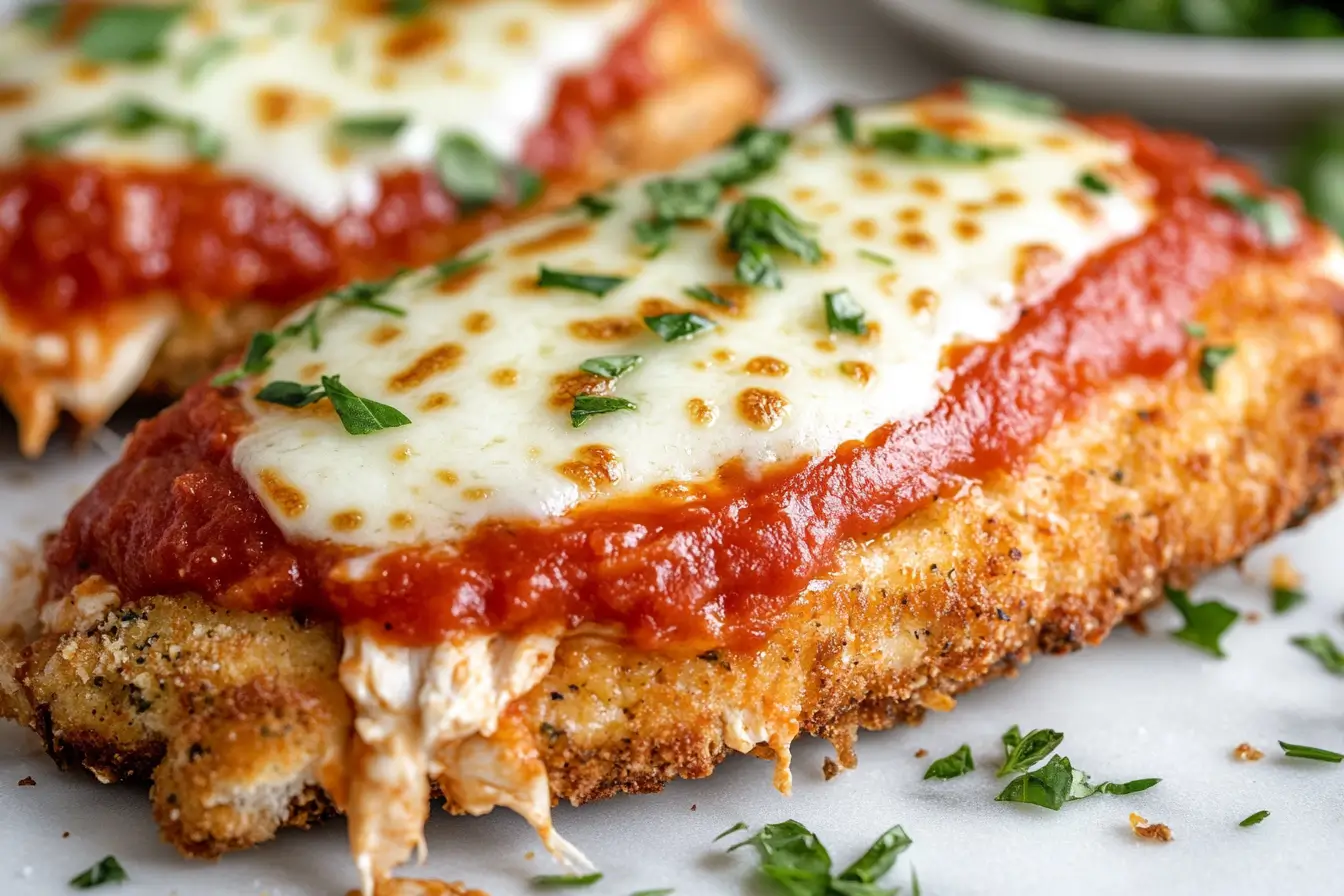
593,468
477,494
276,106
82,71
763,409
825,345
887,283
283,494
605,329
1036,264
860,372
436,400
702,412
910,215
415,38
864,228
923,299
966,230
927,187
462,280
401,520
478,322
311,371
517,33
972,208
871,179
553,240
431,363
402,453
953,124
205,19
764,365
564,386
385,79
654,306
347,520
384,334
803,194
447,477
504,377
681,492
1079,204
14,95
827,209
1007,198
916,240
339,154
1056,141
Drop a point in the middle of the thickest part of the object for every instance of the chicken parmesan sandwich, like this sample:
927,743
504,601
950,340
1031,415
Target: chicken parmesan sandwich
176,175
807,437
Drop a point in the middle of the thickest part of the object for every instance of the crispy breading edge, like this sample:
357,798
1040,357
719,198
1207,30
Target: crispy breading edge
711,83
1155,481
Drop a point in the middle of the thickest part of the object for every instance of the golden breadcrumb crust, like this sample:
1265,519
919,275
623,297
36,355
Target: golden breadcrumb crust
231,715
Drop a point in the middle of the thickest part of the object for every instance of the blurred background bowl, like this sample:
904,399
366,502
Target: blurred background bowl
1256,87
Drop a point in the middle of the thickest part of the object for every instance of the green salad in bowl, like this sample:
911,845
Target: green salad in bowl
1218,18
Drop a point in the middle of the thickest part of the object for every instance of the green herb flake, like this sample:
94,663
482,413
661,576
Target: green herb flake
844,314
1021,753
1285,599
756,228
593,284
678,326
611,366
1324,649
561,881
457,266
1253,819
877,257
879,858
128,32
290,394
654,235
665,891
407,9
586,406
705,294
469,173
1270,215
1299,751
106,870
926,145
256,360
680,199
1094,183
528,185
952,766
129,116
370,128
360,416
1204,623
845,126
792,858
736,826
1211,357
1058,782
757,267
43,17
756,151
594,206
51,138
1194,329
367,294
997,94
207,56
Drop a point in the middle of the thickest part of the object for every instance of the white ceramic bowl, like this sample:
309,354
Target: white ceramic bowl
1245,85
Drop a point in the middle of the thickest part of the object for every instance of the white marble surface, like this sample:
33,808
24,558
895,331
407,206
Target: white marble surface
1135,707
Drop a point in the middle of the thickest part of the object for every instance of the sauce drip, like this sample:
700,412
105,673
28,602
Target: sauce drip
174,515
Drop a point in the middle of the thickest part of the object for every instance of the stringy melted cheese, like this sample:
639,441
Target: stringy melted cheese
485,365
485,69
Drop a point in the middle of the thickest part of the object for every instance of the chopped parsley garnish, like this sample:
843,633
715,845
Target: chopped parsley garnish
1008,96
371,128
560,881
453,267
611,366
256,360
952,766
367,294
682,199
1211,357
927,145
407,9
43,17
586,406
106,870
677,326
655,235
1058,782
593,284
1194,329
360,416
128,117
756,150
1271,216
1299,751
1094,183
1324,649
594,206
792,858
128,32
467,170
664,891
757,226
705,294
878,257
1021,753
733,829
1284,598
1204,623
845,127
844,314
209,55
1253,819
528,185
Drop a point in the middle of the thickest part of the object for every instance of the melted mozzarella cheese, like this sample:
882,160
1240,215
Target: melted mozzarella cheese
484,366
486,69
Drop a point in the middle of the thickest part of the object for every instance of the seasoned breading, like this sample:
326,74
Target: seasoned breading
239,721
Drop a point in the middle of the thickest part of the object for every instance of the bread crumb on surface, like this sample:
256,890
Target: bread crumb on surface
921,753
829,768
1282,573
1247,753
1137,623
1252,617
1141,828
27,782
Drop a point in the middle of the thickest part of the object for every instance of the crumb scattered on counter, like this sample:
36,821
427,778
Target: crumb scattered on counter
1247,753
529,855
921,753
1282,573
1253,617
1137,623
692,807
65,835
1143,829
27,782
829,768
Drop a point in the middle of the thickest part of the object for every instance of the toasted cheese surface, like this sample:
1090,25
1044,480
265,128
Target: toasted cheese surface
486,364
272,79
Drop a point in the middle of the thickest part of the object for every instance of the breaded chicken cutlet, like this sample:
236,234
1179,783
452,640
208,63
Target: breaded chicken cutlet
809,437
176,176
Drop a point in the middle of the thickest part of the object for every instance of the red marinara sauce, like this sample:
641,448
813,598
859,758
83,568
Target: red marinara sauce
75,236
173,515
